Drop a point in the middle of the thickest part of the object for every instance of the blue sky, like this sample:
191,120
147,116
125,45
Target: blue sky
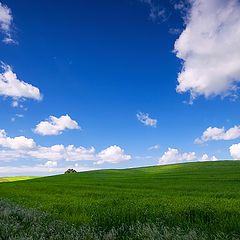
117,77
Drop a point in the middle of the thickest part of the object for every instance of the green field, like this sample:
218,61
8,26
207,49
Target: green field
200,199
14,179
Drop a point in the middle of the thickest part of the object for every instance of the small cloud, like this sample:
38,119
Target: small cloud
5,23
156,11
17,115
214,133
15,104
172,156
175,31
235,151
51,164
146,120
206,158
113,154
55,126
11,86
154,147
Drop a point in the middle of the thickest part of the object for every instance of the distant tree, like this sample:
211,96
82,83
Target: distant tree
70,170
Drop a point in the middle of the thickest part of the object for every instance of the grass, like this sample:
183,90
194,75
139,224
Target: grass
13,179
193,198
19,223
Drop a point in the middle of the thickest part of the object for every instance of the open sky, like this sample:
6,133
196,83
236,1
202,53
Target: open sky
95,84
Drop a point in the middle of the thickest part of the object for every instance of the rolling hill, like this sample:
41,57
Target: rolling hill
201,197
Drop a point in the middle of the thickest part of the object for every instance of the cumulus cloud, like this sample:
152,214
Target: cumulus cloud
235,151
214,133
210,49
17,143
154,147
68,153
146,120
10,86
6,22
206,158
22,147
55,126
173,156
113,154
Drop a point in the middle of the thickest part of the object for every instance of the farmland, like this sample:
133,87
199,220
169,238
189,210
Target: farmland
200,199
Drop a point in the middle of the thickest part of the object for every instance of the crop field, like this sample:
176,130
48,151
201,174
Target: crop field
183,201
13,179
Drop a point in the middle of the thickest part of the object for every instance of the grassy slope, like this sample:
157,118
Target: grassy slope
14,179
203,195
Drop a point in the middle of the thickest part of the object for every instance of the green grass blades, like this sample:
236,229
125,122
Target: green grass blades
19,223
203,196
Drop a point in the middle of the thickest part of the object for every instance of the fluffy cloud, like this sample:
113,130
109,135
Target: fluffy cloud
5,22
22,147
235,151
206,158
154,147
214,133
17,143
55,126
145,119
113,154
10,86
210,49
173,156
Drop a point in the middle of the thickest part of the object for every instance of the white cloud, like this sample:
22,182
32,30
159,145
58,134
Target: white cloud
80,153
173,156
210,49
154,147
55,126
17,143
145,119
206,158
10,155
15,104
51,164
113,154
214,133
156,11
235,151
5,23
17,115
27,148
10,86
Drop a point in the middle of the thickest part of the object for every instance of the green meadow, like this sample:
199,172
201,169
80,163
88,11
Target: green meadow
13,179
189,201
